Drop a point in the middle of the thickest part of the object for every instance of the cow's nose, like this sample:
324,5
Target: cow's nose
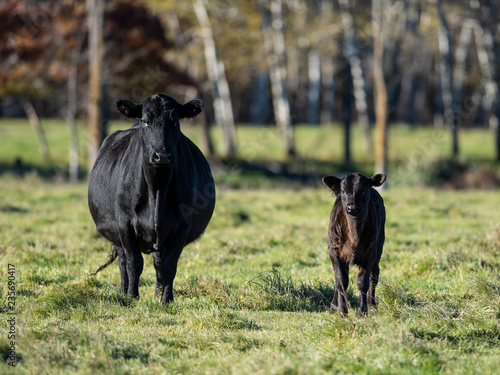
351,209
162,158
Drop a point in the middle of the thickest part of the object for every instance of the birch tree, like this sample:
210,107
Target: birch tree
72,86
314,93
274,42
216,74
352,55
488,57
36,125
449,101
461,53
96,123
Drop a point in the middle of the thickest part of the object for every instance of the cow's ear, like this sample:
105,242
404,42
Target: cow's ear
191,109
378,179
333,183
129,109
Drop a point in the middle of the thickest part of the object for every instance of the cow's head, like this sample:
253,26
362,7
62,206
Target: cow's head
159,118
353,190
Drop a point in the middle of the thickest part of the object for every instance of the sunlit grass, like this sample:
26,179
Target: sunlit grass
252,295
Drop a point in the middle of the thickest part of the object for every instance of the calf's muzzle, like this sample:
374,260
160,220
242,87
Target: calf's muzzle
352,210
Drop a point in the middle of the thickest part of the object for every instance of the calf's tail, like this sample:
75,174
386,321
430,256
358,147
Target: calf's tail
111,258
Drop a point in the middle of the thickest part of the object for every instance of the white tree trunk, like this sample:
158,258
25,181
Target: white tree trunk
72,109
449,103
314,95
223,110
328,83
461,56
272,28
484,48
352,55
36,125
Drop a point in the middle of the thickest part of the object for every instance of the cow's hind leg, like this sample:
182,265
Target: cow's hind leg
122,263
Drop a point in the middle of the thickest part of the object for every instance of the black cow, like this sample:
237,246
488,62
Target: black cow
356,235
151,191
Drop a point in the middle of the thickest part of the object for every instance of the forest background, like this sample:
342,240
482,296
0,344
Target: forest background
284,62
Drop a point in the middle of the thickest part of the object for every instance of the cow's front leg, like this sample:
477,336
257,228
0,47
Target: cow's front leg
363,283
133,261
135,265
166,267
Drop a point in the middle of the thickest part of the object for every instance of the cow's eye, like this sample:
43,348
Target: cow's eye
144,122
342,191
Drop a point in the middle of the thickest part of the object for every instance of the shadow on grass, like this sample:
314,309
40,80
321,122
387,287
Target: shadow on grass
236,173
283,294
295,171
46,172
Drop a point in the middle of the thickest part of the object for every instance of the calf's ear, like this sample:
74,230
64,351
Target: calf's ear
332,183
378,179
129,109
191,109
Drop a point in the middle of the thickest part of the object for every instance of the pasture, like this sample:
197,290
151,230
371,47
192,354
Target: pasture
252,295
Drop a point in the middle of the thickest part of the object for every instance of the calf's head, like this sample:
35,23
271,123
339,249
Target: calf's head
353,190
159,118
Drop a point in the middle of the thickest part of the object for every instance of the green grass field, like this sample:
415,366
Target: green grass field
252,295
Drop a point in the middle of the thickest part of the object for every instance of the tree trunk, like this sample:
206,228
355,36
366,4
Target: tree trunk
314,65
272,29
352,55
208,146
223,110
259,111
460,57
72,109
347,113
328,83
488,57
36,125
380,89
97,124
449,102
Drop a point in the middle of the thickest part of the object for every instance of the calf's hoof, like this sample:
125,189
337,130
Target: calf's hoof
335,309
361,312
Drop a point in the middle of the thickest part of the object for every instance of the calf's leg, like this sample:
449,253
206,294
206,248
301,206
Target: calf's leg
363,283
373,284
341,270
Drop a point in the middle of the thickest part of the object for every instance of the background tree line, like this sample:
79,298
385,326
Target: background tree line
433,62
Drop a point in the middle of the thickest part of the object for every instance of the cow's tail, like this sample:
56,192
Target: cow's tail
111,258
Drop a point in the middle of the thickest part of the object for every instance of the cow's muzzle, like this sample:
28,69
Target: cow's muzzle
162,158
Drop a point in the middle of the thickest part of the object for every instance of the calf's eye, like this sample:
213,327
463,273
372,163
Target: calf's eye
144,122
